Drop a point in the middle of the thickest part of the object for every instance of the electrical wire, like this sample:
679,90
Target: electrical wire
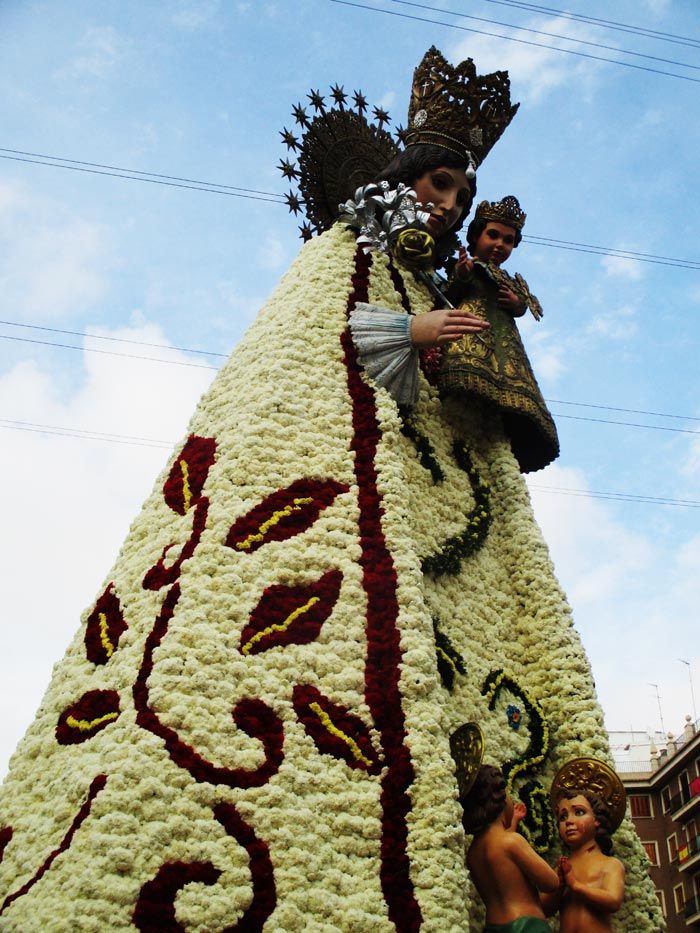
80,435
627,424
539,45
164,346
619,496
153,181
129,356
137,441
570,245
550,35
630,411
135,171
137,343
613,252
642,31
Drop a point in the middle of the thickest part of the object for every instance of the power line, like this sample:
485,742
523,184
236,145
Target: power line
612,251
630,411
136,171
539,45
276,199
642,31
550,35
137,441
138,343
79,435
619,496
164,346
627,424
129,356
570,245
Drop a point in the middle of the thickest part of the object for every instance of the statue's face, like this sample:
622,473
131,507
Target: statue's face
495,244
577,821
449,191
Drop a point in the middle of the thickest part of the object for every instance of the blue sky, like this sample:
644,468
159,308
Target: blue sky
598,154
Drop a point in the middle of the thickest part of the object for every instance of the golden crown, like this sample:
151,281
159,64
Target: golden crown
507,212
458,109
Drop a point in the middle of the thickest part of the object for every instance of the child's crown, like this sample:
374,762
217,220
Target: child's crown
507,212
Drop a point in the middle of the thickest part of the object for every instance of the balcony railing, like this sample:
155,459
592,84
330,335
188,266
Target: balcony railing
633,767
688,850
692,907
684,796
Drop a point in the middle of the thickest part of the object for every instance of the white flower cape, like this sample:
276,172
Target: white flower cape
249,730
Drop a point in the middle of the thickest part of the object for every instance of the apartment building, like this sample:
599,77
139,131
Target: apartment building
663,793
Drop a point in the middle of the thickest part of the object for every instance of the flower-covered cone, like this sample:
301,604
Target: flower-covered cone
251,728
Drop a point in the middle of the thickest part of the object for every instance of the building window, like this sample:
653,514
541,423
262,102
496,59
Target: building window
662,900
679,898
640,805
652,851
672,843
665,799
691,831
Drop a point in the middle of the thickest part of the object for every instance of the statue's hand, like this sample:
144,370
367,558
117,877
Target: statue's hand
464,265
438,327
510,302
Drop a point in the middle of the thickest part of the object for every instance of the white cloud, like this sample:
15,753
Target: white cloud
534,70
273,253
634,599
99,50
68,502
547,355
193,14
616,324
52,263
621,268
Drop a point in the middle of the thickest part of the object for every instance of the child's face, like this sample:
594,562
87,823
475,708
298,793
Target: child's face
577,821
495,244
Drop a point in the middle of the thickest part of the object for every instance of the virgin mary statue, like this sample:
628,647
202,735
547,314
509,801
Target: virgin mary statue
336,571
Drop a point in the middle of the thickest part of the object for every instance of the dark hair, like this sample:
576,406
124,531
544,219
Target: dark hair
477,227
485,800
409,165
601,812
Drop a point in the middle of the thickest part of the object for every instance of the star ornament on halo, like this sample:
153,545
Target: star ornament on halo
288,169
316,99
360,101
381,115
289,139
338,95
293,203
299,115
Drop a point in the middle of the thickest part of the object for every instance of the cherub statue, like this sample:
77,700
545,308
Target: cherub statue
589,802
506,870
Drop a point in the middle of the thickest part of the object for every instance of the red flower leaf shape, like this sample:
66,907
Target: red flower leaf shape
5,838
288,615
334,730
155,908
105,626
282,515
183,487
159,575
95,710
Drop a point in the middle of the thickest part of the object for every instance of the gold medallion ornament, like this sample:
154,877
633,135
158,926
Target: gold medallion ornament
467,747
591,775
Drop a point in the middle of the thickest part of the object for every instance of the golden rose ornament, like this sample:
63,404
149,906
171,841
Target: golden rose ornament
415,249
